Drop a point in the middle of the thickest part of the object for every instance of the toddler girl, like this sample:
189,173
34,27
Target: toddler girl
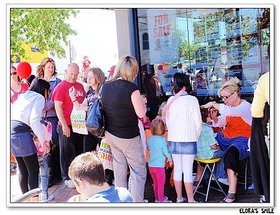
158,148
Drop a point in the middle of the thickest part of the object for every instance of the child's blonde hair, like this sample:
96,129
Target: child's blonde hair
162,109
157,127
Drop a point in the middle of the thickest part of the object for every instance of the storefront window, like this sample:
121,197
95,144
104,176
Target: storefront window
145,41
209,45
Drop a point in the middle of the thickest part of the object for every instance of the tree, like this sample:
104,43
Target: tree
187,50
43,27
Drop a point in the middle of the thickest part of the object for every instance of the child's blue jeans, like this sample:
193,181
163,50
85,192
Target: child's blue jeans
44,174
220,170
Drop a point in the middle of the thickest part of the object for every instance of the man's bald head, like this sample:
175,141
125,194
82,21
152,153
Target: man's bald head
72,72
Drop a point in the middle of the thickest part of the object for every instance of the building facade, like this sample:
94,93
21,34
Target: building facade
208,44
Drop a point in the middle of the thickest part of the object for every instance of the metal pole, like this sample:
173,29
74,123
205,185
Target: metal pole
70,51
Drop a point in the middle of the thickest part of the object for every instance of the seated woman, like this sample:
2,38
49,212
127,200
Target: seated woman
236,117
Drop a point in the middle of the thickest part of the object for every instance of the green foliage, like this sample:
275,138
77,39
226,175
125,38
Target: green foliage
187,51
44,27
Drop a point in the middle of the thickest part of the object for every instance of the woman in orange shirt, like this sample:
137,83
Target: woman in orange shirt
236,119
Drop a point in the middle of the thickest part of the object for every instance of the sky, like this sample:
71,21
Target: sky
97,37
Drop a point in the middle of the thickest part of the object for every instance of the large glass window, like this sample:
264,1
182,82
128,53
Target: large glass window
210,45
145,41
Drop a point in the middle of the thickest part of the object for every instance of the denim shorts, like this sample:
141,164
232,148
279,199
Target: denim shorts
182,148
22,144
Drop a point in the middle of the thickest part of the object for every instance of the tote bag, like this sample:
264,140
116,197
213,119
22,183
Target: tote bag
95,122
78,121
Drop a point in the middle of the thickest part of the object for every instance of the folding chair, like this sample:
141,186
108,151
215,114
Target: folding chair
246,175
209,166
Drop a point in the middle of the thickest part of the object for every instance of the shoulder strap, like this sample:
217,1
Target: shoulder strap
183,90
99,96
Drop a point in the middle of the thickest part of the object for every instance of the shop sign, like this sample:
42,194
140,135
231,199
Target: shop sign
163,43
165,77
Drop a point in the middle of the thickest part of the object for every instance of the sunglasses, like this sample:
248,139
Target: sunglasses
226,97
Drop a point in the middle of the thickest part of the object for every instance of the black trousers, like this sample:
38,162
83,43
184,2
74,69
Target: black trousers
260,160
28,172
69,148
54,163
231,159
90,142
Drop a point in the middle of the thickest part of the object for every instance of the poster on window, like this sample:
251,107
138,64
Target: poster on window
165,77
163,35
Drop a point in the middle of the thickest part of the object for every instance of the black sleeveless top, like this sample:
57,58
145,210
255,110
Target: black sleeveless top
120,117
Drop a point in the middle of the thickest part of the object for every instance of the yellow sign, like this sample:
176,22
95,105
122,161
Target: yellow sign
33,54
15,59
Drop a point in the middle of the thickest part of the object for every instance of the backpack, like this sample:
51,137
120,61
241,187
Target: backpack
95,122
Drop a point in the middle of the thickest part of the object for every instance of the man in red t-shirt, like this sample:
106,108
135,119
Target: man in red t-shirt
70,144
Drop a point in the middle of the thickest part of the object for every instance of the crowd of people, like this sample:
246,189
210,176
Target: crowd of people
181,130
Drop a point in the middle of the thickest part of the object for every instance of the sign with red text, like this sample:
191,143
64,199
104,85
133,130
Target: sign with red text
162,35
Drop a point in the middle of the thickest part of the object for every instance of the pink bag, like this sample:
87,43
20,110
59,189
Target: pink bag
47,131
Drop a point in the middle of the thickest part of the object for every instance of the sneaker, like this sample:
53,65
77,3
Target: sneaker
251,187
69,183
223,181
262,199
182,200
166,200
194,201
45,197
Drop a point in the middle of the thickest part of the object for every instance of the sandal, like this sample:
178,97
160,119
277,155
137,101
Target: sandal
231,197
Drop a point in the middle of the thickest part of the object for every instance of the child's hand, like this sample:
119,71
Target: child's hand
215,146
45,148
170,163
35,138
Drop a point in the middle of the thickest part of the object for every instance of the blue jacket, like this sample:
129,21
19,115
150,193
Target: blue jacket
158,148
